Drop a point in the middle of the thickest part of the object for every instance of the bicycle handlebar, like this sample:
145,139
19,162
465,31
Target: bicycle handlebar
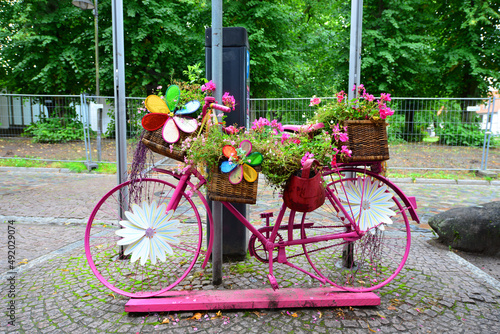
211,103
220,107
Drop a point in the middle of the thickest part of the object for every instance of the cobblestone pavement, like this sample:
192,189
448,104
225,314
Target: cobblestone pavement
55,291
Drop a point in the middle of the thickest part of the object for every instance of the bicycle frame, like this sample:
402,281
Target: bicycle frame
352,234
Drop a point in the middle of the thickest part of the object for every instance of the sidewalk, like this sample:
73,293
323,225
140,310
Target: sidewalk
55,291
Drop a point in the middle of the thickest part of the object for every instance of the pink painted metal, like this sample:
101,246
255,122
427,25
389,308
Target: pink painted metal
251,299
326,235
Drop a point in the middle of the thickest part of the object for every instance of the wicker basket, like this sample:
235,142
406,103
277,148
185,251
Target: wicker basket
367,140
220,189
155,142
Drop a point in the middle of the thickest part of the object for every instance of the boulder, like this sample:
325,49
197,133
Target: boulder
472,229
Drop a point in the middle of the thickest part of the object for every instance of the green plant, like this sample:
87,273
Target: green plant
55,130
284,154
460,134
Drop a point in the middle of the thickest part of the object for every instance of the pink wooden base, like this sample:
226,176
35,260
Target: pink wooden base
251,299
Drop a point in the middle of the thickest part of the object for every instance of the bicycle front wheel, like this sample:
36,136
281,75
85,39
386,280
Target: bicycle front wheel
362,200
134,247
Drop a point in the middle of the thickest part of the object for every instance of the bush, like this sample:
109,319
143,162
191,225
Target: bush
460,134
55,130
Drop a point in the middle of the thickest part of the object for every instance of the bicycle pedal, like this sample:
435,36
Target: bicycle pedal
273,282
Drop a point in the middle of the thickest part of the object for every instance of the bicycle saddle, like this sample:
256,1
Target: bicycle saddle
303,128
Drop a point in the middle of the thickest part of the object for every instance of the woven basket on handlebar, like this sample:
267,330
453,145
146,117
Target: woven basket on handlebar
220,189
367,140
155,142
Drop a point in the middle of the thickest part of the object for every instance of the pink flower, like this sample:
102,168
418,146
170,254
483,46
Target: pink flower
209,87
306,157
284,137
385,97
340,96
314,101
361,89
260,123
343,137
231,130
346,151
369,97
385,111
276,124
228,100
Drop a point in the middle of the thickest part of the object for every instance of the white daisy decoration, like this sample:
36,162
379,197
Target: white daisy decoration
148,232
369,203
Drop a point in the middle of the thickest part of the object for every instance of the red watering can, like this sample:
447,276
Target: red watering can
304,194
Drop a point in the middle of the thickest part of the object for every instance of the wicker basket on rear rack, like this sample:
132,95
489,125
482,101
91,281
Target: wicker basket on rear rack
367,140
220,189
155,142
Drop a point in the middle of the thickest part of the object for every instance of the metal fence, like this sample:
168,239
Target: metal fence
424,133
85,127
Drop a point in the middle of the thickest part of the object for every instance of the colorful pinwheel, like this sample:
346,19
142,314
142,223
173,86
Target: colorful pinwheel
241,162
162,114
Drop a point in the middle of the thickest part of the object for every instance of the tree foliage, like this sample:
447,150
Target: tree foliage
297,47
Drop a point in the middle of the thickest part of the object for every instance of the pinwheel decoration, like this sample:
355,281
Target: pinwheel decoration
163,114
149,232
369,202
241,162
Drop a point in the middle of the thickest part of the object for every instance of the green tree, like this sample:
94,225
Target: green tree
468,49
297,47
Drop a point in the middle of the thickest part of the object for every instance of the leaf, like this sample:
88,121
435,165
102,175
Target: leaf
259,314
196,316
217,315
294,315
392,308
165,321
112,295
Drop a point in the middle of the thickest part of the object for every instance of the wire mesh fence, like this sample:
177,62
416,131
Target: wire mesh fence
440,133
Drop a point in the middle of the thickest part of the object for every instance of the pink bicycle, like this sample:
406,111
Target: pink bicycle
358,240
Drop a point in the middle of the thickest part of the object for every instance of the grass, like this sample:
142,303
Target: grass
110,168
76,167
441,175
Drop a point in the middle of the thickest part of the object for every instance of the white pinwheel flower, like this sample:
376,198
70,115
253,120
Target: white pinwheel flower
369,203
148,232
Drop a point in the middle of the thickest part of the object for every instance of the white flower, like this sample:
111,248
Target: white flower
369,204
149,232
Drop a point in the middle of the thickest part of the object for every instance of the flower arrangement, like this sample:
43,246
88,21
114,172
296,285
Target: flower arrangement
286,152
365,107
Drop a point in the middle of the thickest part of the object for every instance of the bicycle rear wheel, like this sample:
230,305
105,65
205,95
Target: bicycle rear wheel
376,206
126,269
